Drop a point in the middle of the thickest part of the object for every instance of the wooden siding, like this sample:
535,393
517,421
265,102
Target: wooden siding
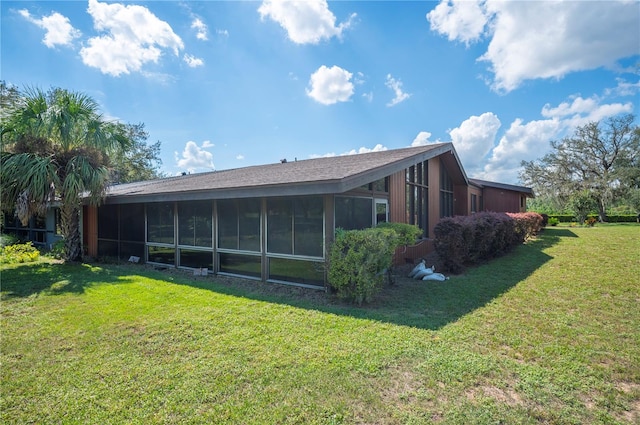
412,253
501,200
460,200
90,230
398,198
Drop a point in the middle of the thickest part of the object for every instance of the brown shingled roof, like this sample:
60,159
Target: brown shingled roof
306,177
484,183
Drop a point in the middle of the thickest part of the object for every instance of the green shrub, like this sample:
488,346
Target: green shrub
622,218
7,239
57,250
611,218
19,253
358,259
554,221
563,218
407,234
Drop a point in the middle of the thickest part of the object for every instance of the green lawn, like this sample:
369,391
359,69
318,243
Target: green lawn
548,334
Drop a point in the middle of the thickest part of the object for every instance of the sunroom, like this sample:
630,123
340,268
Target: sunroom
271,223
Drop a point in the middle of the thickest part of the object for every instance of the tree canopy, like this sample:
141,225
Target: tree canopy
140,161
600,159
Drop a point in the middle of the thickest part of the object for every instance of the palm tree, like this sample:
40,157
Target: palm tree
55,148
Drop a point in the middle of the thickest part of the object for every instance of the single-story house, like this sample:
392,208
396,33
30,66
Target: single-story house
275,222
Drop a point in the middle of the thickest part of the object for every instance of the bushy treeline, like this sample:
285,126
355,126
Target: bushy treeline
360,259
467,240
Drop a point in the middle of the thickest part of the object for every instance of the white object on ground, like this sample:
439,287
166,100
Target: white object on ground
417,268
424,272
436,276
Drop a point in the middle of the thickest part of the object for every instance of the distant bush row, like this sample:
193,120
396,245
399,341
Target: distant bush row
618,218
466,240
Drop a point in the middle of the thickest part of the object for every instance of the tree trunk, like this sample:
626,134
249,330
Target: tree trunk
70,223
602,212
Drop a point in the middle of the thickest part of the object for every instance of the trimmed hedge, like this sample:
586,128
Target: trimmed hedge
617,218
466,240
358,259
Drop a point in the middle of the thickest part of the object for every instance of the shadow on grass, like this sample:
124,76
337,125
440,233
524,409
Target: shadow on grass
24,280
422,304
425,305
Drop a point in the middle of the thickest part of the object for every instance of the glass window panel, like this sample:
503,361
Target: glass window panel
353,213
160,222
9,219
108,222
417,199
196,259
40,222
132,223
244,265
227,224
381,185
381,212
107,248
194,223
127,249
296,271
39,237
308,227
249,225
279,226
161,254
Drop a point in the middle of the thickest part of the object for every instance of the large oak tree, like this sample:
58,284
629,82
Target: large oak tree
600,158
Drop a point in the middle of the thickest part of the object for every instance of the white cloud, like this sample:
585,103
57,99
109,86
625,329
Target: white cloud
308,21
396,86
530,140
376,148
222,33
461,20
421,139
522,141
368,96
580,111
207,144
194,157
330,85
58,28
192,61
624,88
133,37
542,39
201,29
474,138
240,157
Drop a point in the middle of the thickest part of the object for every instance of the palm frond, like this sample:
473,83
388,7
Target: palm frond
83,179
28,181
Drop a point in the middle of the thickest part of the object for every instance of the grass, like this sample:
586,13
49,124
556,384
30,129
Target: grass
547,334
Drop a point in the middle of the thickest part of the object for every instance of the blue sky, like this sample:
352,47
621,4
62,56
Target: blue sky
227,84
